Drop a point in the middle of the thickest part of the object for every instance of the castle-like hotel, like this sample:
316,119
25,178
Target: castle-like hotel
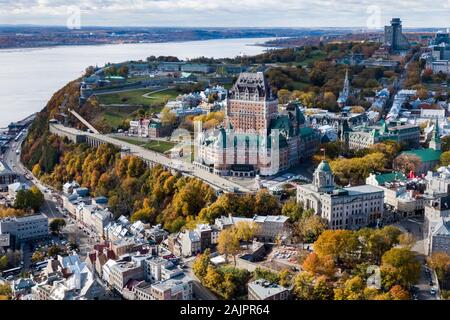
257,138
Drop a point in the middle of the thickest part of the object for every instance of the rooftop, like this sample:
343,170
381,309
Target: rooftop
265,289
426,155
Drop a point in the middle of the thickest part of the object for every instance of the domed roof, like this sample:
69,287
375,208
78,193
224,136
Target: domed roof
324,166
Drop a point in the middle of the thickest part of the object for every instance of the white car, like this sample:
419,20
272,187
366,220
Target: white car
433,291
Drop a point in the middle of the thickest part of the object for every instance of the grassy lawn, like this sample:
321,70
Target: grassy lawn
315,56
159,146
114,115
136,97
114,119
155,145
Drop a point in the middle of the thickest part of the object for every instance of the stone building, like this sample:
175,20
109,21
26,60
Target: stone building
343,208
257,138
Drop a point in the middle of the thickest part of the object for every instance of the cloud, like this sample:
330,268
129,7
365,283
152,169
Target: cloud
289,13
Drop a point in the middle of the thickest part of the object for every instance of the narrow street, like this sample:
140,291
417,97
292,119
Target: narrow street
200,291
424,285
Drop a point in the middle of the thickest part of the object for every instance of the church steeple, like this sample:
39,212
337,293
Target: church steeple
343,95
435,142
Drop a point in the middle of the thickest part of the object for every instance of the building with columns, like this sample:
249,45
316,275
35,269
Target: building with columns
344,208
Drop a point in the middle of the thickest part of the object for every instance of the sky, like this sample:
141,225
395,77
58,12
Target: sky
372,14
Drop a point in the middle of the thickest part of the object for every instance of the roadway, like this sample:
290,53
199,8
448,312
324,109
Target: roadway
415,227
186,168
200,291
12,159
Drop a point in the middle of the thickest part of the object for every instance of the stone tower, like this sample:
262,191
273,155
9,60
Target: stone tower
435,142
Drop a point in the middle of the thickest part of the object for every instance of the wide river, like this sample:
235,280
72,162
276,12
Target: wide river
29,77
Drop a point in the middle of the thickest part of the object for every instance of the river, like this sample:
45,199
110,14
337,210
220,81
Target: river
29,77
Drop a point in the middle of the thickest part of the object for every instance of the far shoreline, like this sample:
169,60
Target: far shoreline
263,44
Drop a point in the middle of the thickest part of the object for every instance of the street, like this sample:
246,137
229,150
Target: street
415,228
200,291
12,159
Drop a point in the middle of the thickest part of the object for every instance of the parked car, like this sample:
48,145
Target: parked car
433,291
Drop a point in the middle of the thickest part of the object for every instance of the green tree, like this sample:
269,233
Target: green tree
293,210
57,225
266,204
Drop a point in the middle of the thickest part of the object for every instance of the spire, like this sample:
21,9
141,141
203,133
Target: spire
384,128
346,83
343,95
435,142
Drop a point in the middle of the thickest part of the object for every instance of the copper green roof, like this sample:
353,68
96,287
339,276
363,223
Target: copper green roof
390,177
306,131
426,155
324,166
281,123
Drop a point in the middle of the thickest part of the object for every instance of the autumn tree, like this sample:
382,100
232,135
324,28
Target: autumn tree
389,148
309,227
228,243
3,262
352,289
284,96
341,245
399,266
5,291
212,278
356,170
407,163
398,293
168,118
407,240
440,262
319,265
36,171
445,158
358,109
246,231
37,256
201,263
284,278
307,287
